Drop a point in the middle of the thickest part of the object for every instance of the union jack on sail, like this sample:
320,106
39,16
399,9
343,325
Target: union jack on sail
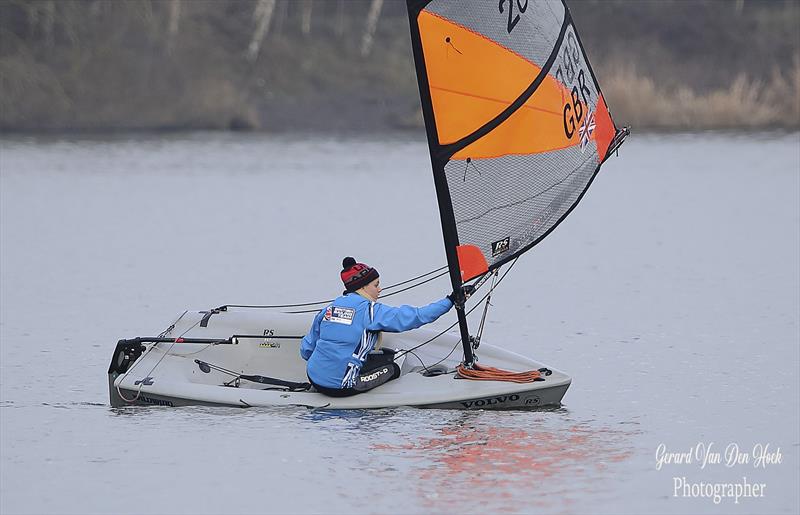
586,130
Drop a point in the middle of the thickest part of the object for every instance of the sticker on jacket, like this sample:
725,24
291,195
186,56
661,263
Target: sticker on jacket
339,315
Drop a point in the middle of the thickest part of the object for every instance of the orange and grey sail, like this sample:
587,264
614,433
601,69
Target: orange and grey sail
517,125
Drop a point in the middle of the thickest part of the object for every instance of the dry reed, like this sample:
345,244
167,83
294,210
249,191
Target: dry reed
747,103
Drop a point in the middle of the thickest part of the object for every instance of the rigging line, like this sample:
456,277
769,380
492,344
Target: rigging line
303,304
172,326
382,296
415,285
163,334
139,390
428,367
417,277
401,352
206,346
274,306
486,305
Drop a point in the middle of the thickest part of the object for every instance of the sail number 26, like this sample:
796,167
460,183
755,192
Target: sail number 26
513,19
570,73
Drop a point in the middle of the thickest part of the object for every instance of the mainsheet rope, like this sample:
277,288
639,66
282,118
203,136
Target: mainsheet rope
483,373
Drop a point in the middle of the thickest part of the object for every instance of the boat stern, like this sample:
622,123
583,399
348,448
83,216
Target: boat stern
125,354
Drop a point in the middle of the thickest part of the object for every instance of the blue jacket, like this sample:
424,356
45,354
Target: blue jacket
343,334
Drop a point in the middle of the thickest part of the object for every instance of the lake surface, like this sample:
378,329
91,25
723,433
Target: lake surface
671,295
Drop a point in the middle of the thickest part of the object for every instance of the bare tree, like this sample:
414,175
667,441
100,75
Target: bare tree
338,26
281,10
305,17
372,24
173,24
262,16
96,8
48,22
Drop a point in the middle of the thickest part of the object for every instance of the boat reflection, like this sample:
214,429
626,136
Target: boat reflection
512,462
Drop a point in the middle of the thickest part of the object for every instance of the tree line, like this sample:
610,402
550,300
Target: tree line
287,64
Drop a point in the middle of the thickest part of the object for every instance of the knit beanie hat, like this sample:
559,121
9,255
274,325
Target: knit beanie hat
356,275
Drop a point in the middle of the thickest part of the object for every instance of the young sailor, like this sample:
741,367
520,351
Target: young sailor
338,345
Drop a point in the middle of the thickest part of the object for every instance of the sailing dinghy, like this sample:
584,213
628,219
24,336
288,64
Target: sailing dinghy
517,130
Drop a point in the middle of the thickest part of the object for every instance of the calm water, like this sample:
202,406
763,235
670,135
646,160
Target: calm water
671,295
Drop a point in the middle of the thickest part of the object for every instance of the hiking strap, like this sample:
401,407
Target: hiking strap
291,385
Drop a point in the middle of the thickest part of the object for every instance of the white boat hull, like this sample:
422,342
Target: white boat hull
170,374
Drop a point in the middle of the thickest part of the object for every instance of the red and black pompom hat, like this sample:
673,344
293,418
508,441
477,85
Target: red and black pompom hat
356,275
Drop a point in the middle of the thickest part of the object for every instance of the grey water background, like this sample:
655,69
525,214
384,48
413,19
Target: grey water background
671,295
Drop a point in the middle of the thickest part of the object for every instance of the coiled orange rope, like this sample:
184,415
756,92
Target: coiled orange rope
482,373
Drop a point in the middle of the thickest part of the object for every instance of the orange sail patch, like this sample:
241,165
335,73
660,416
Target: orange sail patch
471,262
605,130
464,98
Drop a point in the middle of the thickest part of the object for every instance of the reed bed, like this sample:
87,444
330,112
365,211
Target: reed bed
748,103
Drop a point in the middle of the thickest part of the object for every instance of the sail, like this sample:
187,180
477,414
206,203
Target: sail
517,125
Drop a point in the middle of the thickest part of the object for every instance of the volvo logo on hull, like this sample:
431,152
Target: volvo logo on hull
490,401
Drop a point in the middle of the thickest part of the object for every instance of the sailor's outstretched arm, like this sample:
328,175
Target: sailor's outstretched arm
404,318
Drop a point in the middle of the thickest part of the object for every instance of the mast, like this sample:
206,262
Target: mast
438,161
450,243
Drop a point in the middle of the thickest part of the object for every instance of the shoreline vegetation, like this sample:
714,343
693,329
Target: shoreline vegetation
771,103
346,65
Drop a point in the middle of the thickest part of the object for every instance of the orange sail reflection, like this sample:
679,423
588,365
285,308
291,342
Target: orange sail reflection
506,469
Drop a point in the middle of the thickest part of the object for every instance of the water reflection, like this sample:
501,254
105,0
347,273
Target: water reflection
372,416
581,460
512,460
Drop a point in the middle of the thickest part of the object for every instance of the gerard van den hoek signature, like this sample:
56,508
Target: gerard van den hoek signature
705,454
